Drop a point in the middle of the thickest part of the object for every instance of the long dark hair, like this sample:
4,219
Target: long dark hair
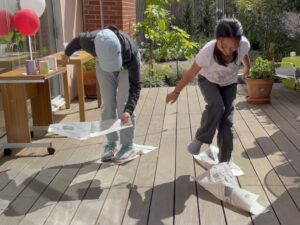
227,28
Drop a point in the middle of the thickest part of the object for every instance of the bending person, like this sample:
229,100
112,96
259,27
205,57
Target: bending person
118,75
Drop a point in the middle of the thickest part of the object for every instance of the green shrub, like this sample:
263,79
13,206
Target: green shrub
262,69
90,65
290,84
163,70
153,81
163,42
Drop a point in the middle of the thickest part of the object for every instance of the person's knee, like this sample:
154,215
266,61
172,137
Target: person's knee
226,125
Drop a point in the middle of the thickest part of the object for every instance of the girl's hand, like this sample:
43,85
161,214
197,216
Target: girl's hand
172,97
186,78
246,69
64,60
245,73
125,118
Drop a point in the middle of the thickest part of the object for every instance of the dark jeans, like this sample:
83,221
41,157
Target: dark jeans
218,114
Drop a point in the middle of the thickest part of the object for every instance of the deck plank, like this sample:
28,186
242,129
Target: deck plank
186,204
210,208
141,191
163,190
84,173
73,187
126,173
255,148
92,203
65,173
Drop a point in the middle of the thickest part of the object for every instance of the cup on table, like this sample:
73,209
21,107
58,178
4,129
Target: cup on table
31,68
52,63
37,62
44,67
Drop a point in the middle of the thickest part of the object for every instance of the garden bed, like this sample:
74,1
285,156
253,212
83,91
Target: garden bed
165,73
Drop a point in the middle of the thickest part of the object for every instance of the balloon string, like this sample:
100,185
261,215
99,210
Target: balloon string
30,49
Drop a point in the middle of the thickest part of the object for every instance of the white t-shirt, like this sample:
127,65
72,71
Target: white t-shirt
215,72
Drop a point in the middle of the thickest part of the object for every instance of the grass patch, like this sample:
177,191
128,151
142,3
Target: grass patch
290,84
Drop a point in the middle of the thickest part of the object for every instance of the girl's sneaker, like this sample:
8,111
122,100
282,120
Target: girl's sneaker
109,151
194,147
126,153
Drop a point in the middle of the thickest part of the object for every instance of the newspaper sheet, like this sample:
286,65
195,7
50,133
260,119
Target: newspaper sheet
138,151
85,130
209,157
220,181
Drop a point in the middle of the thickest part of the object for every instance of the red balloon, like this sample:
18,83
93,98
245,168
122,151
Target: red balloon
6,22
27,22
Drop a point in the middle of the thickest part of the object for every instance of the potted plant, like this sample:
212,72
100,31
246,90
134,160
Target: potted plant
260,81
90,79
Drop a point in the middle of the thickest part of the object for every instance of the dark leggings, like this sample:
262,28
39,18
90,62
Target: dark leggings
218,114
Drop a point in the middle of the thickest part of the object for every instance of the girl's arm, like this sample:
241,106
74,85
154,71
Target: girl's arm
187,77
246,63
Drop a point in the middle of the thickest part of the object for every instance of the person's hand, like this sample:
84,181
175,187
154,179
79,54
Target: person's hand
245,73
64,60
172,97
125,118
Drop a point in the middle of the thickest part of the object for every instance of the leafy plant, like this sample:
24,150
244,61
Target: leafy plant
160,2
153,28
162,40
6,39
206,18
188,20
262,69
90,65
14,41
178,46
13,37
153,81
264,22
43,52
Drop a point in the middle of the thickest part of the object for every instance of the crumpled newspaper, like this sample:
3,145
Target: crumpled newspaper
138,150
209,157
220,181
85,130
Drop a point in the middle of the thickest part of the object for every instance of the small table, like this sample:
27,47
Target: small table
78,60
16,88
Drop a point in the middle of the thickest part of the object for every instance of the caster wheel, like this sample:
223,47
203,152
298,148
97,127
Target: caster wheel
7,152
51,151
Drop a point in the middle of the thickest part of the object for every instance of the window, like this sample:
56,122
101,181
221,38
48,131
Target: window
14,47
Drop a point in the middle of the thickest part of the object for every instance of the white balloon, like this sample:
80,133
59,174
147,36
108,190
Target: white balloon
9,5
38,6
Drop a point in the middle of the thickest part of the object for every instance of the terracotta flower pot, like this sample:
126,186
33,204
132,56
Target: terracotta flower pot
259,90
90,82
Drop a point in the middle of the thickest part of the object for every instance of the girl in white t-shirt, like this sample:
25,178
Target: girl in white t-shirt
217,65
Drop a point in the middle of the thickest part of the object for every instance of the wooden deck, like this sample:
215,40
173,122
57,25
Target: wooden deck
71,187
